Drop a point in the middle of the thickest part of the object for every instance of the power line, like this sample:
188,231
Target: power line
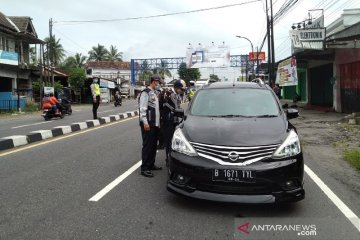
159,15
78,45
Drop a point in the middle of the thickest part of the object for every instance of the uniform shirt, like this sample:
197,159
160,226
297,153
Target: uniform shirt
145,100
175,100
95,90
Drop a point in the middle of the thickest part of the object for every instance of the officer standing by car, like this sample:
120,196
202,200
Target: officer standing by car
172,101
95,92
150,124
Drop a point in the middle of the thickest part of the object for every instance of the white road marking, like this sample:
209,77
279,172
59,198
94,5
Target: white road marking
31,124
107,111
350,215
114,183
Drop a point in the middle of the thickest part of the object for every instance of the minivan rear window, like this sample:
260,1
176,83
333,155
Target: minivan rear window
240,102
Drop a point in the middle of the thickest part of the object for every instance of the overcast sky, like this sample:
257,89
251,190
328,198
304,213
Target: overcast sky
165,36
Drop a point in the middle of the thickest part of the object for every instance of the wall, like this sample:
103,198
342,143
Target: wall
342,56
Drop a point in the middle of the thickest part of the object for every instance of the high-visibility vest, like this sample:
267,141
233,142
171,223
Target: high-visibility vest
97,89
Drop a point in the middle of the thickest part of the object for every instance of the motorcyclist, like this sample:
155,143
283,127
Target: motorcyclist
55,103
46,102
117,97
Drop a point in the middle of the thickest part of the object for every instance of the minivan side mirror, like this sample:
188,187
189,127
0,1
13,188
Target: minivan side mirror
292,113
179,113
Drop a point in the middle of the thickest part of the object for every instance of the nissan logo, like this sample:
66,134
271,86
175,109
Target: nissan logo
233,156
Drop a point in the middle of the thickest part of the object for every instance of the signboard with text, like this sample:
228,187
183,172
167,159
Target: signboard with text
287,73
257,56
10,58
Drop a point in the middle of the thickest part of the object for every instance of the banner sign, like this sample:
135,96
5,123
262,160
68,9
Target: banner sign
111,84
10,58
208,57
257,56
103,83
287,73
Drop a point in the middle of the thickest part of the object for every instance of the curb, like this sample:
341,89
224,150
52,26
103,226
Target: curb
39,135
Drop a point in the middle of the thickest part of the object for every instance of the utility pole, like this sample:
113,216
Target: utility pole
50,52
268,42
272,44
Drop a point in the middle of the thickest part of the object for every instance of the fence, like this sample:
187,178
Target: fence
11,105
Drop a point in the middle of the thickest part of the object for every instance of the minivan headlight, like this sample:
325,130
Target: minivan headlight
290,147
181,144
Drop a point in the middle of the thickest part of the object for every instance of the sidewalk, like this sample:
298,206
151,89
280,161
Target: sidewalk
326,138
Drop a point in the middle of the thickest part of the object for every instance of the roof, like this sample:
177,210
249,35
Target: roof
109,65
4,22
350,33
234,85
24,24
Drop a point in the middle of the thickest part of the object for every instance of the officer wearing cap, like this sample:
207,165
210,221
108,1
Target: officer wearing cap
149,116
95,92
172,101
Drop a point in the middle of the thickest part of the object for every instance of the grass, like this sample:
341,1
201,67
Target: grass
32,107
353,157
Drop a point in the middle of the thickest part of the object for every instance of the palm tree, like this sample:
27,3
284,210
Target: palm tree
55,51
114,55
77,61
162,70
98,53
145,72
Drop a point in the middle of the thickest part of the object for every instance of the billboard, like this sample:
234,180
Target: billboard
257,56
208,56
10,58
287,72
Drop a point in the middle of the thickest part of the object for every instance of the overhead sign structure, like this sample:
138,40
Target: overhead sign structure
257,56
208,56
10,58
287,73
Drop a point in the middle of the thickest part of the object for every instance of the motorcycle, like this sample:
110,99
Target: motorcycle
49,113
118,101
65,106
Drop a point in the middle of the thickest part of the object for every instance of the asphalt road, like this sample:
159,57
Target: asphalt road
22,125
45,190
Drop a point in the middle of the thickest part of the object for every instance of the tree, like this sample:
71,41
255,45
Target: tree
77,78
214,77
145,72
77,61
55,51
188,74
98,53
114,55
162,70
33,57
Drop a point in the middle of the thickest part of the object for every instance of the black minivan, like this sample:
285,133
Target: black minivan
236,145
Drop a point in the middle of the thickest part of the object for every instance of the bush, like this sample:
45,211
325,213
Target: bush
353,157
32,107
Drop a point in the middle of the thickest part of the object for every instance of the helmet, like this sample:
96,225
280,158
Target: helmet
178,84
183,83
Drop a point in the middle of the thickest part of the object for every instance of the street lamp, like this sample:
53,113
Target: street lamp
252,50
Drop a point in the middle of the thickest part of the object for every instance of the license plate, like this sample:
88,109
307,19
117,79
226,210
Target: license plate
226,175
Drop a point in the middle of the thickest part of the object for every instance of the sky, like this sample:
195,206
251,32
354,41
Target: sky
167,36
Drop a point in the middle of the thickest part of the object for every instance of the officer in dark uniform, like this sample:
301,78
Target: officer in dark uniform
150,123
172,101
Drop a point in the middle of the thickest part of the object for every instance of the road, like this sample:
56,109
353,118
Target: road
45,190
24,124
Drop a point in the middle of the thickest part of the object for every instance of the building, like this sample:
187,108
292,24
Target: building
112,75
330,78
18,60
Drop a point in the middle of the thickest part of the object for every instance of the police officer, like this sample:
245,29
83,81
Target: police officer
95,92
172,101
150,123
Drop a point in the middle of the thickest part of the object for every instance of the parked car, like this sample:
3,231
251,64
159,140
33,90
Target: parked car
237,145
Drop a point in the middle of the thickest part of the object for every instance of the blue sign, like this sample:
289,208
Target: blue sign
10,58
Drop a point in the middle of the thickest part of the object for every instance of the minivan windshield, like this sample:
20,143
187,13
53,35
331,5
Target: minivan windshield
235,102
